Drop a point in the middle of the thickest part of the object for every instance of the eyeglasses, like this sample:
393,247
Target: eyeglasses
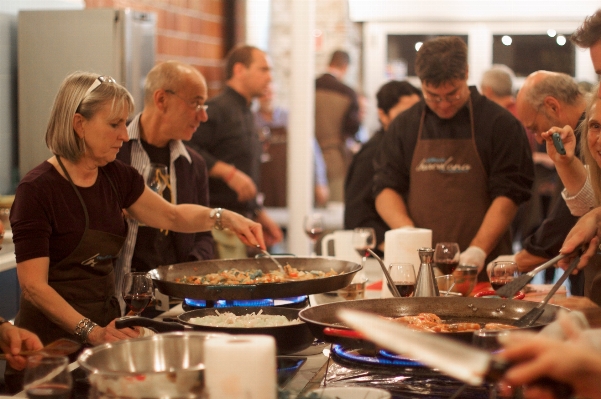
99,80
195,105
439,99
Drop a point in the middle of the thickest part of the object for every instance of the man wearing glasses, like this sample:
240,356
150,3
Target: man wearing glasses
174,96
455,163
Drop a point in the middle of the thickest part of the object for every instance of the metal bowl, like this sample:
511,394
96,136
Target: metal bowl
160,366
466,277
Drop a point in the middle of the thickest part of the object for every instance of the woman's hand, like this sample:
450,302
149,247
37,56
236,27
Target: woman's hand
248,231
586,231
569,143
110,333
14,340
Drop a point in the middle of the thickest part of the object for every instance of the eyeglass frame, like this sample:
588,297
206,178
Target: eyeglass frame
196,107
438,99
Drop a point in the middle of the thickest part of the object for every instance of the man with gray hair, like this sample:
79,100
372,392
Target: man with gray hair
174,97
549,99
497,85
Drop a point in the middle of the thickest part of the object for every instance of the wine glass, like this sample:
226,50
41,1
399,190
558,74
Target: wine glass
501,273
446,257
403,277
137,291
47,377
364,238
314,225
489,341
157,177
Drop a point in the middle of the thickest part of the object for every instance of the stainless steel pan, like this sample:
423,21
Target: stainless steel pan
164,278
456,309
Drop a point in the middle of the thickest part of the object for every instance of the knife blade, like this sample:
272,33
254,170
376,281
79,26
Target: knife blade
451,357
456,359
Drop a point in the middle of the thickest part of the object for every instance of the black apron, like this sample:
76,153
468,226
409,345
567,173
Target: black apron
85,279
448,191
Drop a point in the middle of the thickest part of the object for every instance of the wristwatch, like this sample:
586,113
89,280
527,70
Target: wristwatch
216,214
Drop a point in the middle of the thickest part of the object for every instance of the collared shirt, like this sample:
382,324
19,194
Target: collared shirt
230,136
189,246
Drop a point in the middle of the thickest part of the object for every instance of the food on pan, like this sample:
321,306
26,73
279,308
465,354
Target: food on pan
433,323
254,276
228,319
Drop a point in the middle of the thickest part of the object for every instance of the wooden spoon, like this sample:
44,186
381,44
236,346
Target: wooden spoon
60,347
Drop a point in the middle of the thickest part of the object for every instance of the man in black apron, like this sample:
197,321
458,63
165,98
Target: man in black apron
456,163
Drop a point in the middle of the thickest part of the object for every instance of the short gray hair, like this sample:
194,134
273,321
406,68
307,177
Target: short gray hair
72,98
167,75
558,85
500,80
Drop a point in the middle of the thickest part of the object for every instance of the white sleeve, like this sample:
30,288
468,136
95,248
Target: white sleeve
583,201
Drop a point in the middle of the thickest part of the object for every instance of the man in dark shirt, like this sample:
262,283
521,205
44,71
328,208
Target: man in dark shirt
456,162
173,108
359,203
336,120
229,142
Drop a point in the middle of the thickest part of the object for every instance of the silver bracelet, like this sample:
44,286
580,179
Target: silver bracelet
84,328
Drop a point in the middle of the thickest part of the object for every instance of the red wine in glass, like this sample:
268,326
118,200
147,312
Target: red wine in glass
137,302
137,291
447,266
314,233
498,282
405,288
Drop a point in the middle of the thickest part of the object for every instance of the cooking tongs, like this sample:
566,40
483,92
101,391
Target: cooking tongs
512,288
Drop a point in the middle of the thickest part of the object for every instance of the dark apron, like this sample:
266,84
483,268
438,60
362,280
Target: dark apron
85,279
448,190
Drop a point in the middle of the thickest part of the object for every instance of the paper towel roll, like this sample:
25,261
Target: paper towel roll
401,246
241,367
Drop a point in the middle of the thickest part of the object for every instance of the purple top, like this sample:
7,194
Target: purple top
47,217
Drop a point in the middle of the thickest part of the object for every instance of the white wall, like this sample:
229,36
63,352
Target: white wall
8,82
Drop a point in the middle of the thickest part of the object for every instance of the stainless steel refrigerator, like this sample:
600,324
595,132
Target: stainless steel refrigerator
52,44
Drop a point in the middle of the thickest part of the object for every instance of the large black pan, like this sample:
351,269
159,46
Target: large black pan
164,278
456,309
289,339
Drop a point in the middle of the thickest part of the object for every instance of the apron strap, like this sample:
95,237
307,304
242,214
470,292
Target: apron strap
85,209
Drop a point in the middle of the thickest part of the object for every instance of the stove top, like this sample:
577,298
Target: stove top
404,378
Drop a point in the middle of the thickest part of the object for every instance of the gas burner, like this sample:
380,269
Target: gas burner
371,358
292,302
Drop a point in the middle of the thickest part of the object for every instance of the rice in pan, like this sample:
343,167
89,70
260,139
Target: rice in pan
228,319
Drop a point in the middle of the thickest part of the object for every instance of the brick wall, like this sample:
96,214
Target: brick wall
187,30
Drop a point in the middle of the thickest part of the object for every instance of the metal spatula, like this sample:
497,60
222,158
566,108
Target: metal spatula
529,318
511,288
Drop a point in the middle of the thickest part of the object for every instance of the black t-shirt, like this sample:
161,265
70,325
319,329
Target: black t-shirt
154,247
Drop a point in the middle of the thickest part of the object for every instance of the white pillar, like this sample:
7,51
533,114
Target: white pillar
301,125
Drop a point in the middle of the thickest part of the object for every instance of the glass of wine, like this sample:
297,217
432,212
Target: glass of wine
501,273
157,177
489,341
137,291
446,257
364,238
314,226
403,277
47,377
